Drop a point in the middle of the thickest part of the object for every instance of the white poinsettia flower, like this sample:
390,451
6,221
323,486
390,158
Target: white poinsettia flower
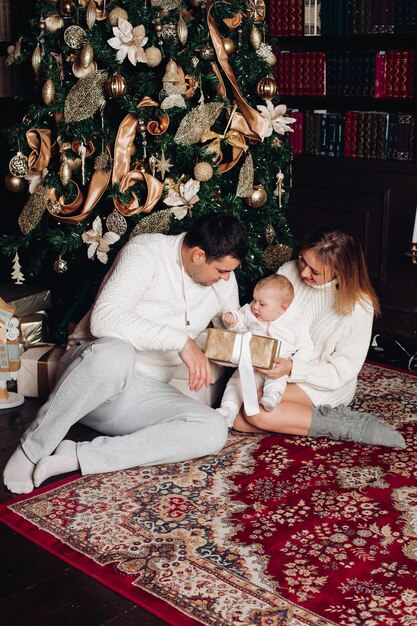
183,198
129,42
34,178
97,242
275,116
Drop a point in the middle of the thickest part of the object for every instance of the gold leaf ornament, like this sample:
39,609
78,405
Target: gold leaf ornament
34,209
246,177
196,122
85,98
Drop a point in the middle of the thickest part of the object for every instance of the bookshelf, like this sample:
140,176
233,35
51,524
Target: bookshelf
338,174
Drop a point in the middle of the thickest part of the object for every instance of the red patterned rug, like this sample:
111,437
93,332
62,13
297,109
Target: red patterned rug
272,531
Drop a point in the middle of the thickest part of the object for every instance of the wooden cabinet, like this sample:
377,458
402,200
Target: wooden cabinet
376,199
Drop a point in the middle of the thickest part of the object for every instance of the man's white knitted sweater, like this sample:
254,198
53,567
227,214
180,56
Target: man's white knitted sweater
148,300
340,342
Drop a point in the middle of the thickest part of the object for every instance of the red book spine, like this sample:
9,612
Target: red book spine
380,74
354,131
272,19
291,18
396,69
285,62
310,73
284,18
348,133
300,84
321,71
411,73
389,74
403,71
293,65
299,10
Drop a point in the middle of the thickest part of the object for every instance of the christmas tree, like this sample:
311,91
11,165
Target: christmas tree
145,114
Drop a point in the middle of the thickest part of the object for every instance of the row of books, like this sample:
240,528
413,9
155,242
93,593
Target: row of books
356,134
294,18
5,20
368,73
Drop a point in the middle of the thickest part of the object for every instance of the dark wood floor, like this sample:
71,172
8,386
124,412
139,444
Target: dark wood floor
36,588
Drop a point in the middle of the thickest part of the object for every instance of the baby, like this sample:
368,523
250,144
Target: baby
268,314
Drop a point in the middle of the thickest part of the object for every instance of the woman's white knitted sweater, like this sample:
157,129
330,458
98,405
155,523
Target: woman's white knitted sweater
148,300
340,342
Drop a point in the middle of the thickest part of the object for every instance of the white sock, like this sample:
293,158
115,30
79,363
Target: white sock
17,475
228,411
270,402
62,461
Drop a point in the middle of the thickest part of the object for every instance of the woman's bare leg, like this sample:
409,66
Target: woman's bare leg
291,417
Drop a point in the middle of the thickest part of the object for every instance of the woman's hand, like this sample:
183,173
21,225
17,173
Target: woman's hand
281,367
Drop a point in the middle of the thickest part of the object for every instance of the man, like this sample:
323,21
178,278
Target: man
161,292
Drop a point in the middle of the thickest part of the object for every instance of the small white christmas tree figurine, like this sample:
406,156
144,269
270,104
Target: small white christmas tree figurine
17,274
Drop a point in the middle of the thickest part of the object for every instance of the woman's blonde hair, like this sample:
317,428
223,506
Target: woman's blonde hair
343,253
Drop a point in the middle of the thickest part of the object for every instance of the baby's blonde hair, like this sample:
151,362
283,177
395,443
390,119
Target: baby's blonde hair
280,284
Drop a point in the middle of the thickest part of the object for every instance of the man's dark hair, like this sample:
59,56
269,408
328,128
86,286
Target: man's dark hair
219,235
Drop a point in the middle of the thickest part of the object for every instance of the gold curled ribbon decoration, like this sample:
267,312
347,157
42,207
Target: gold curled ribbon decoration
257,124
90,147
39,140
65,213
121,164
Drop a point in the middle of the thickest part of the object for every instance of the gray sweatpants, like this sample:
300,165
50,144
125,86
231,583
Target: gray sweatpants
143,421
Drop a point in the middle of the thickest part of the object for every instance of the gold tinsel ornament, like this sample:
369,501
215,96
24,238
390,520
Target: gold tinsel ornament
34,209
18,165
196,122
85,98
116,14
203,171
75,37
116,223
246,176
157,222
275,256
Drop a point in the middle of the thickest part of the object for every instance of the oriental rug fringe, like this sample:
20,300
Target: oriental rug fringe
272,531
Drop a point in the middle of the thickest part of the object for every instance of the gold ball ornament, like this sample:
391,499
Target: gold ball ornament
274,256
18,165
83,72
115,86
203,171
258,197
41,25
229,46
48,92
86,55
153,56
116,14
266,88
65,7
14,183
256,10
75,37
141,127
60,265
157,26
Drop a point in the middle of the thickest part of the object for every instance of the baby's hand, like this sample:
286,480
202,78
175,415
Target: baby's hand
229,319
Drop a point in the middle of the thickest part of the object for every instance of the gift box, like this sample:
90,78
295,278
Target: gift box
38,370
34,328
26,299
220,347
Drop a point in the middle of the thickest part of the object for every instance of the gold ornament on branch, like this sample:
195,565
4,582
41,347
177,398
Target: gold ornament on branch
206,53
257,197
37,58
115,86
85,98
53,23
153,56
65,6
14,183
116,223
255,37
266,88
83,72
196,122
86,55
91,14
171,73
275,256
48,92
157,222
229,46
75,37
203,171
246,175
269,233
34,209
182,30
65,173
116,14
18,165
60,265
256,10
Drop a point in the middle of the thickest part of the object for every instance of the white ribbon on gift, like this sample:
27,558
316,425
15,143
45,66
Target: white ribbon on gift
242,358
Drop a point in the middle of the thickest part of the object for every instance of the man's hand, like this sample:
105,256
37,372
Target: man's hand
229,319
281,367
198,366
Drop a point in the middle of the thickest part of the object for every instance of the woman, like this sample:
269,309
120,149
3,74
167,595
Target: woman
333,291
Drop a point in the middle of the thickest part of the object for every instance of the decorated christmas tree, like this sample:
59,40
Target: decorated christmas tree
145,114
